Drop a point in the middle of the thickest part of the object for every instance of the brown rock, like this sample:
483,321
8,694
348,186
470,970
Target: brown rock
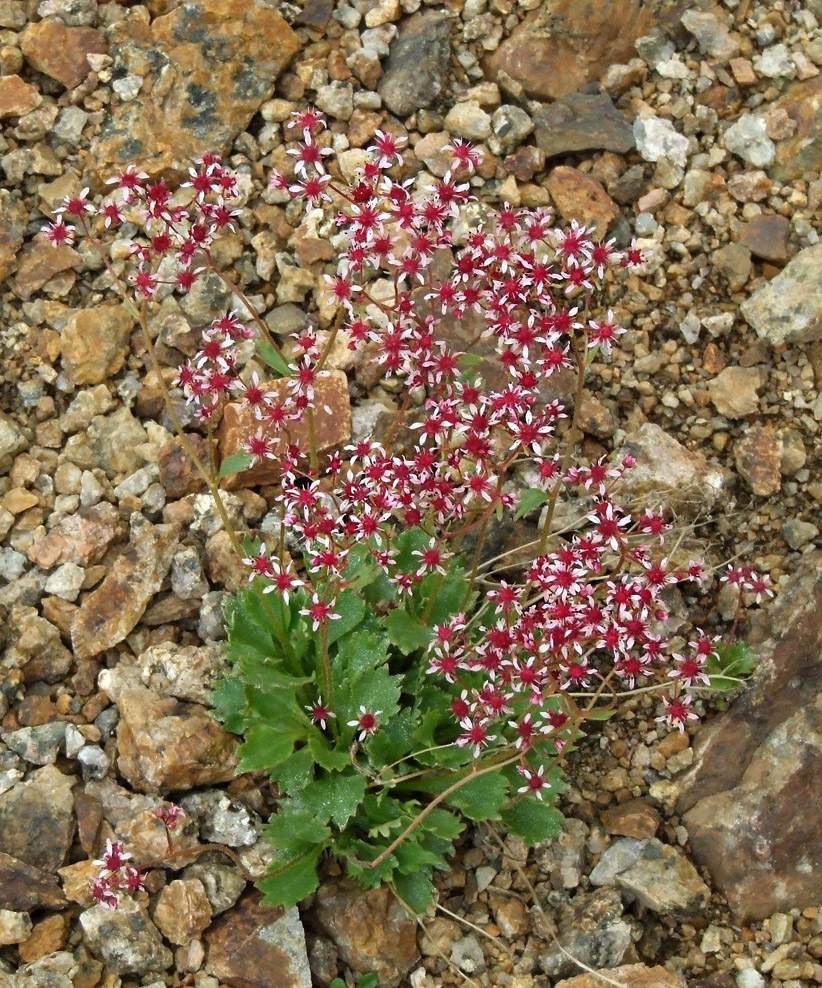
370,928
636,818
95,343
182,911
630,975
757,455
332,426
166,745
803,151
17,97
579,197
38,262
13,220
34,646
23,887
734,391
566,44
82,538
582,122
89,812
37,819
48,935
178,475
59,51
753,799
108,614
252,946
767,237
219,60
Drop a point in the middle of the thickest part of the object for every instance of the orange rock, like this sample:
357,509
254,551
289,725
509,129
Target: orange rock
578,197
59,51
17,97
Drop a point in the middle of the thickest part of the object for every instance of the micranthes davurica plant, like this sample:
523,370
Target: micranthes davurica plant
385,676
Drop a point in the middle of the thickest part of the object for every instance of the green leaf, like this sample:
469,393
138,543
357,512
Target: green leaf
450,593
264,748
600,713
272,358
335,798
412,856
375,690
296,772
729,665
532,820
361,650
332,759
228,703
444,824
368,981
405,632
351,608
293,830
290,882
416,890
394,740
529,500
235,463
481,798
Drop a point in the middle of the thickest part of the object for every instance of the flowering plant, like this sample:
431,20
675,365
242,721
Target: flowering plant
385,675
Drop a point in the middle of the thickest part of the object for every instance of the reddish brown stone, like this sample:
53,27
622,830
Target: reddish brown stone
252,946
39,261
801,152
636,818
566,44
166,746
757,455
17,97
89,812
59,51
47,936
332,426
24,887
178,475
635,975
578,197
767,237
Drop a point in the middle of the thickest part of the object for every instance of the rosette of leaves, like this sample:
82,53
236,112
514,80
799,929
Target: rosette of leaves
349,796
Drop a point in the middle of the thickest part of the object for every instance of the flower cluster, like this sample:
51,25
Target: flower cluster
177,228
116,874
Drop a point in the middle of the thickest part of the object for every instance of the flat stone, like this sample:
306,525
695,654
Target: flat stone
125,939
788,308
757,455
35,647
37,819
566,44
82,538
748,140
17,96
47,936
13,221
182,911
253,946
217,62
734,392
59,51
636,818
370,928
766,236
659,876
109,613
166,745
95,343
802,152
657,139
591,928
635,975
178,475
753,798
416,70
582,122
332,426
24,887
667,473
580,197
40,261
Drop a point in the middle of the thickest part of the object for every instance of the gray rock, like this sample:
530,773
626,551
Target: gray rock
417,66
94,762
12,442
711,32
223,821
734,261
467,955
657,875
582,122
656,138
211,627
125,939
798,533
187,578
592,929
775,62
66,581
222,881
748,140
14,926
510,125
37,819
788,308
40,744
12,564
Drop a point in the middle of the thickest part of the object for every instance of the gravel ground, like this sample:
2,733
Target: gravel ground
698,135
